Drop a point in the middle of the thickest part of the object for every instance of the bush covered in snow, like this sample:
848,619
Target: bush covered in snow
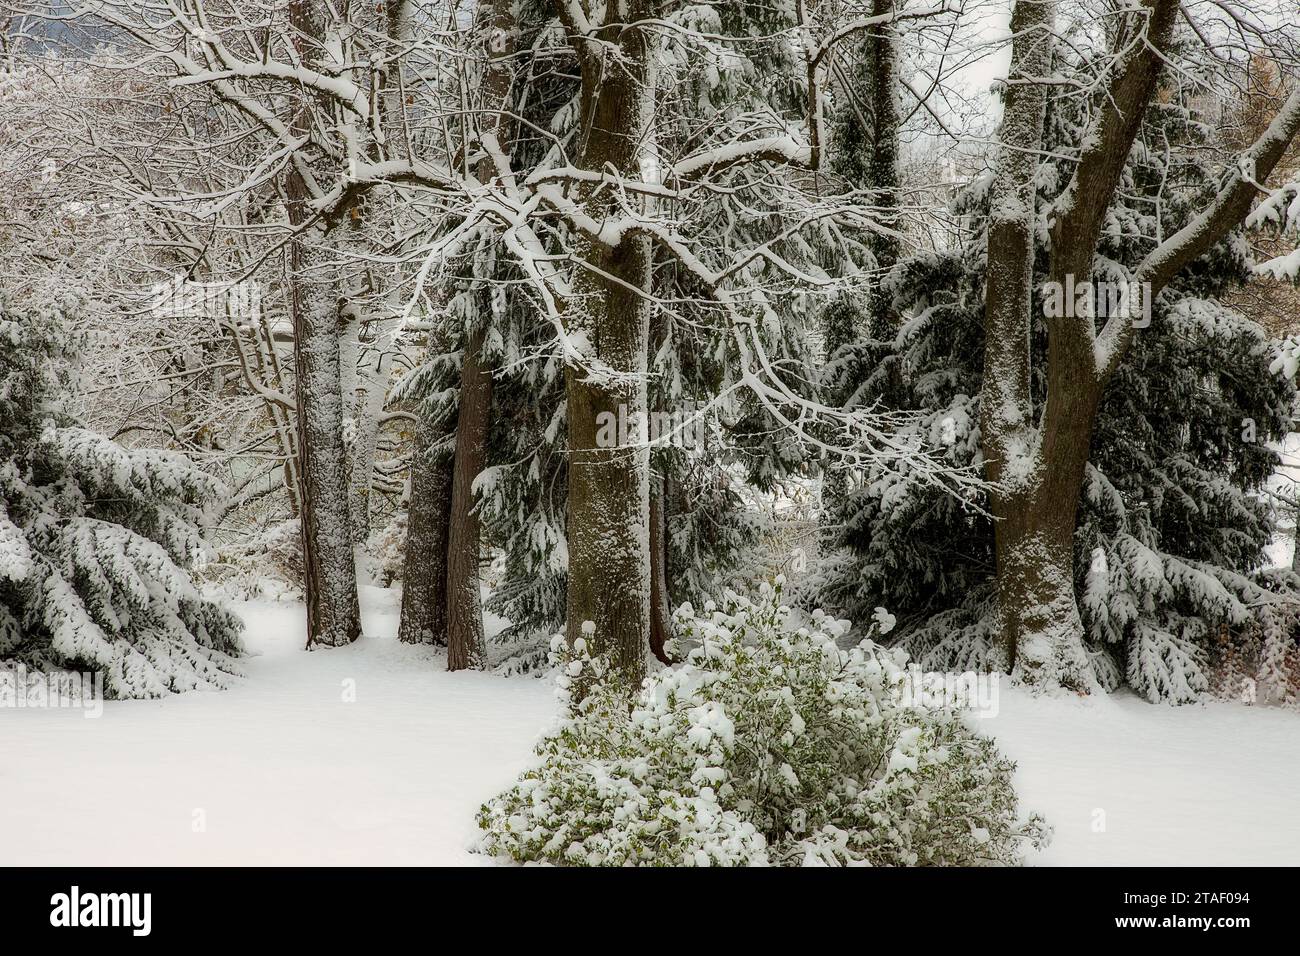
95,538
768,745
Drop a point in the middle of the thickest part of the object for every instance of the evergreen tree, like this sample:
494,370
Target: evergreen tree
95,538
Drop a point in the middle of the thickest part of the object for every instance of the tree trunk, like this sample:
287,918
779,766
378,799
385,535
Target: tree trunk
1041,469
869,161
371,388
609,489
424,562
465,641
661,629
1038,470
329,569
881,61
608,522
1295,555
465,644
1034,547
424,568
1005,410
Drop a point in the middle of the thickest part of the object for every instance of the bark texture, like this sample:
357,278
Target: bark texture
424,568
465,645
661,621
1006,415
329,570
608,521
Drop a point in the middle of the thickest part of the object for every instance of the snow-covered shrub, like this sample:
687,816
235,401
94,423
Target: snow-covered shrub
95,538
768,745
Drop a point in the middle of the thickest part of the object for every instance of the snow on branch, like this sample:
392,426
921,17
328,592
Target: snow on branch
1230,208
773,149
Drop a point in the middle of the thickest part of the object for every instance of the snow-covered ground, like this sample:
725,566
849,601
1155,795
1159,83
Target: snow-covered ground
1127,782
282,769
286,769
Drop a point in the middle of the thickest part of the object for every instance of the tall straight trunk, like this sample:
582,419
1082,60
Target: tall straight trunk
371,367
329,569
609,487
465,640
465,644
870,164
424,568
661,630
423,617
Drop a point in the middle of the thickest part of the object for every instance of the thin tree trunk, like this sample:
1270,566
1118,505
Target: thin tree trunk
372,378
1295,555
424,562
424,569
465,644
882,69
661,630
329,569
876,172
262,376
285,426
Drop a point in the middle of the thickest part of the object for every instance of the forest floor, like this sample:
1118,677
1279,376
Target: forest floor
373,754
